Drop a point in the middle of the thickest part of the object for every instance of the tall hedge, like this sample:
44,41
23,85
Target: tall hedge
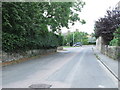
23,30
25,24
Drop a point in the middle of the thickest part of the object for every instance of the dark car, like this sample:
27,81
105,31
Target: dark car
77,44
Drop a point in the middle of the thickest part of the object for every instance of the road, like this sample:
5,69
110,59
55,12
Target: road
75,67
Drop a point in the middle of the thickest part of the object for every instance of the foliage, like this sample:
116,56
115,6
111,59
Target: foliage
106,26
69,38
25,24
116,40
81,37
76,37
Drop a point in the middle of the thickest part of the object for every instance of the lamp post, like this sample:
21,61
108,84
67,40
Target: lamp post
73,37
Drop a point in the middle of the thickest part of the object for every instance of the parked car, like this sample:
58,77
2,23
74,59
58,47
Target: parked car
77,44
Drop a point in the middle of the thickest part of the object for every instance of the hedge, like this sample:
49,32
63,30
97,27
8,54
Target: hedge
24,28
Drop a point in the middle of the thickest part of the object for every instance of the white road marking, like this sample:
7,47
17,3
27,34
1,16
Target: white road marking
101,86
109,73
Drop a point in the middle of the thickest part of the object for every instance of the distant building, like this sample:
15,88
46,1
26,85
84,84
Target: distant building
91,39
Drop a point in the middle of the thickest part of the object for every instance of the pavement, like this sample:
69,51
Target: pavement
109,62
75,67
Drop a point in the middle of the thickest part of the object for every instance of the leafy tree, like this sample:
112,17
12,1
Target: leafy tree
80,37
106,26
116,39
25,24
77,37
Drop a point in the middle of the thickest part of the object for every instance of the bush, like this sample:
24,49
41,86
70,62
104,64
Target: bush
25,31
116,40
25,24
13,43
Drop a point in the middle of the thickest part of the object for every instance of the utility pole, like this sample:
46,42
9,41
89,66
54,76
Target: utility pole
73,37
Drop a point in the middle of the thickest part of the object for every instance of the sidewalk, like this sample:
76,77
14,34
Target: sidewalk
112,64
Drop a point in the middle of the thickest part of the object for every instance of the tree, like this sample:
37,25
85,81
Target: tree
25,24
77,37
106,26
116,39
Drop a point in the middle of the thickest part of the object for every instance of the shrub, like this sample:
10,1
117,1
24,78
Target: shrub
116,40
25,24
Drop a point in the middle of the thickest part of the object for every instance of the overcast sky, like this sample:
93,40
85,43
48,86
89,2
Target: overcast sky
92,11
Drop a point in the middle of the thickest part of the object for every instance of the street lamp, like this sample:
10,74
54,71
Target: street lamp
73,37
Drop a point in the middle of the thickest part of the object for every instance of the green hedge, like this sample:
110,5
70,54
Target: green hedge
14,43
116,39
25,28
25,24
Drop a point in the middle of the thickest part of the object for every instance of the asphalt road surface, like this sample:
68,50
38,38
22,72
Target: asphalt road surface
75,67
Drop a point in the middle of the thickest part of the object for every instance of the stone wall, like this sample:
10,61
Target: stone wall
99,43
16,56
111,51
60,48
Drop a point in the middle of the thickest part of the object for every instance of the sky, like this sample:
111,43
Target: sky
92,11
